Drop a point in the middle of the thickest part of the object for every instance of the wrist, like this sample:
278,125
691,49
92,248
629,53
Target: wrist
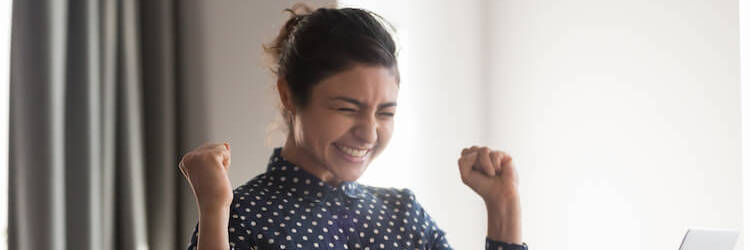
214,206
212,229
504,221
497,199
213,211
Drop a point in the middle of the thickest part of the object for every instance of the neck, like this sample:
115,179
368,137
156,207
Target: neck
305,160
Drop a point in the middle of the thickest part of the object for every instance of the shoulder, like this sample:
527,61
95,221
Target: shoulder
254,189
251,202
257,201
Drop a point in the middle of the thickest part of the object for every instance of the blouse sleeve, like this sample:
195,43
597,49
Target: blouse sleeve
239,233
193,245
439,241
495,245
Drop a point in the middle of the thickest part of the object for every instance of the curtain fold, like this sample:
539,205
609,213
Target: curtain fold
94,138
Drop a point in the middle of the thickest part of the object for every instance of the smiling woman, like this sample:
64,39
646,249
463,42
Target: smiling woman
338,83
347,123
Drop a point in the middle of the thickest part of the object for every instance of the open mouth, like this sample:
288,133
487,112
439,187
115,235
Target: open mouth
353,154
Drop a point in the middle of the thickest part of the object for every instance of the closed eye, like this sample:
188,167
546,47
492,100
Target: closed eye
346,109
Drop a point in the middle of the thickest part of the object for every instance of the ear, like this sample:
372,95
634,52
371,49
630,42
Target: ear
285,94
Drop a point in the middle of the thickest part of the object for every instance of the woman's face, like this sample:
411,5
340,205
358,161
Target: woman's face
349,120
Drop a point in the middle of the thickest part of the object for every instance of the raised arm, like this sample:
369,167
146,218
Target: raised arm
492,175
205,168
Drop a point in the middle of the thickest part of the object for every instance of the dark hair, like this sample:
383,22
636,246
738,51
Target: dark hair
313,45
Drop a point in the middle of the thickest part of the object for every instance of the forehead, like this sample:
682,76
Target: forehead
370,84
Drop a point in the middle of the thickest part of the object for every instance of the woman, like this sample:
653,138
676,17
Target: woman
338,83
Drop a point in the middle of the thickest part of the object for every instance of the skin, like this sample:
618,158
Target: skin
354,108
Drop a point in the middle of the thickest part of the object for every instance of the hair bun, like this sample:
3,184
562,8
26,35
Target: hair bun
296,13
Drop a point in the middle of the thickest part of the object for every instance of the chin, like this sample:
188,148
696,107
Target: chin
349,174
347,167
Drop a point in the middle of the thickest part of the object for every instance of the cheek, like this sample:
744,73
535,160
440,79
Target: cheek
384,133
325,129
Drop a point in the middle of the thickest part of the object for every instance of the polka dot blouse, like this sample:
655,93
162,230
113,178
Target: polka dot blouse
289,208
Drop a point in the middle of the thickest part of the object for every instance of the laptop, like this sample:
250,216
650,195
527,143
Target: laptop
709,239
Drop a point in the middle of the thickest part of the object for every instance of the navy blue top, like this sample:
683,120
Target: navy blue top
289,208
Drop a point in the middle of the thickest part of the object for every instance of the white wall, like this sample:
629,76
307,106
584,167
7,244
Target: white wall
624,117
745,96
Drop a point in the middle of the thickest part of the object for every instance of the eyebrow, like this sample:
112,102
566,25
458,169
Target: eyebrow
358,103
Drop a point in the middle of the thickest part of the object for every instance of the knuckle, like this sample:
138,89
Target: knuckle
505,156
496,155
217,157
187,158
464,179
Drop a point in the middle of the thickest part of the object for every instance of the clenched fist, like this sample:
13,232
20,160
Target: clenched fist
490,173
205,168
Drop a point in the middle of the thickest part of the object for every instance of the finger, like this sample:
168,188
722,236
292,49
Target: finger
227,158
208,146
465,164
496,162
183,169
485,163
475,179
219,146
473,149
509,167
466,151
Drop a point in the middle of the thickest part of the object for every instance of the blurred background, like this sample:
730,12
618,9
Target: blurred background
625,118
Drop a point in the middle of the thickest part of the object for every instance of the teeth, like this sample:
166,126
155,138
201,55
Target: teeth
352,151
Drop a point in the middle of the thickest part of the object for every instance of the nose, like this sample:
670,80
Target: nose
366,130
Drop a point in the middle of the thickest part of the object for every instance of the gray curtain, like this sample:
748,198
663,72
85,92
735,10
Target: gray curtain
94,133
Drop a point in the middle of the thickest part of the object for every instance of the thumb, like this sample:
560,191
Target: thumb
465,164
227,155
508,167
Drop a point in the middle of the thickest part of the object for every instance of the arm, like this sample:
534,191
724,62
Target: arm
212,228
504,222
205,168
492,175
